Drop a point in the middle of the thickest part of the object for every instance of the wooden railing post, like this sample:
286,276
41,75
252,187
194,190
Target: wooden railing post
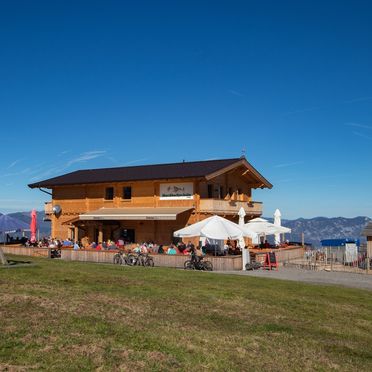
3,259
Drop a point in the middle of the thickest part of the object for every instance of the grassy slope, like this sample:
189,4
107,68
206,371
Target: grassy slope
76,316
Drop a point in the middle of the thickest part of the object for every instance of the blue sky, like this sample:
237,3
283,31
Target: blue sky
87,84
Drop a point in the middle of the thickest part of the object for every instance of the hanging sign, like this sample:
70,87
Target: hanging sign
176,191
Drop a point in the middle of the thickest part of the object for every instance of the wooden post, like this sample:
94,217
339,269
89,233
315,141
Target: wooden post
3,260
369,253
100,234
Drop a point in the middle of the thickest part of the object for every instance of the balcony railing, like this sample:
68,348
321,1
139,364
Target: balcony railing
230,206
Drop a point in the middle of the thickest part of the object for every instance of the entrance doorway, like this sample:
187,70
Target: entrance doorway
128,235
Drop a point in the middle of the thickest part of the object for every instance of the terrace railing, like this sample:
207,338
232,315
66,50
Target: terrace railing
219,206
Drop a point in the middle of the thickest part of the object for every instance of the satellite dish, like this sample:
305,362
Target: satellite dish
57,209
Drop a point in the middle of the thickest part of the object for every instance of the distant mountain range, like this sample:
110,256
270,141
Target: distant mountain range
43,226
318,228
314,229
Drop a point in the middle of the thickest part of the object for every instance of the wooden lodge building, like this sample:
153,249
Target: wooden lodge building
149,202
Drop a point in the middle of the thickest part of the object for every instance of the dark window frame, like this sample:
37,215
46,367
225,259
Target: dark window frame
124,195
109,193
210,190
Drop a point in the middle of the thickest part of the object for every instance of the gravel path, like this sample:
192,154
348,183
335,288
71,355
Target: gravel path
352,280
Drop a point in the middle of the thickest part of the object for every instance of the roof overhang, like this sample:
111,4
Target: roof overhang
136,214
259,179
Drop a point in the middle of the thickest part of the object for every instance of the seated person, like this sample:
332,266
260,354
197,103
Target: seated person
171,249
76,246
190,246
181,247
186,252
137,249
155,248
160,249
231,250
67,243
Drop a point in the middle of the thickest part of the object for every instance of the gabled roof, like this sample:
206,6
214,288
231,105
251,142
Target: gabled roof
150,172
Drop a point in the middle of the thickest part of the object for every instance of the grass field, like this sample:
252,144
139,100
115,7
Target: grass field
77,316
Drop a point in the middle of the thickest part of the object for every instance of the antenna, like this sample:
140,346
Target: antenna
243,152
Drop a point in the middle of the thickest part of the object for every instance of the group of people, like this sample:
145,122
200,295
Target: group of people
46,242
231,249
172,249
144,248
265,244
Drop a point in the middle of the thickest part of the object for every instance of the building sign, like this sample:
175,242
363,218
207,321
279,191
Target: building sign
176,191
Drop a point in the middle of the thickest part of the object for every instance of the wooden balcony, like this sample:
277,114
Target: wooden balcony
218,206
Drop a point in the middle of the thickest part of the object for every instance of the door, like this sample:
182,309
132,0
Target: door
128,235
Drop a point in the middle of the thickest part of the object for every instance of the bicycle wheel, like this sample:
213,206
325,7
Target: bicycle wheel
189,265
149,262
131,260
208,266
117,259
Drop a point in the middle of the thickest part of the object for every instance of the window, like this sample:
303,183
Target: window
109,194
210,191
127,192
221,193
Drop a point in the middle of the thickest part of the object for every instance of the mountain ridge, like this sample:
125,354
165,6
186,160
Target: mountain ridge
318,228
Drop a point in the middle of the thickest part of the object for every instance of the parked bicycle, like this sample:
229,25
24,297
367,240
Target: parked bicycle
195,264
141,259
253,265
121,258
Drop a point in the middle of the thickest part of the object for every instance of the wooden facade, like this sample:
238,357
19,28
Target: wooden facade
222,192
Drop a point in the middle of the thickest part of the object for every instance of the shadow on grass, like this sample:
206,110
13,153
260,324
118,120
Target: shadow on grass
17,263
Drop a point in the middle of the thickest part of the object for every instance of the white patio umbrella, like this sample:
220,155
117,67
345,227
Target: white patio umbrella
245,252
277,222
215,227
264,227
